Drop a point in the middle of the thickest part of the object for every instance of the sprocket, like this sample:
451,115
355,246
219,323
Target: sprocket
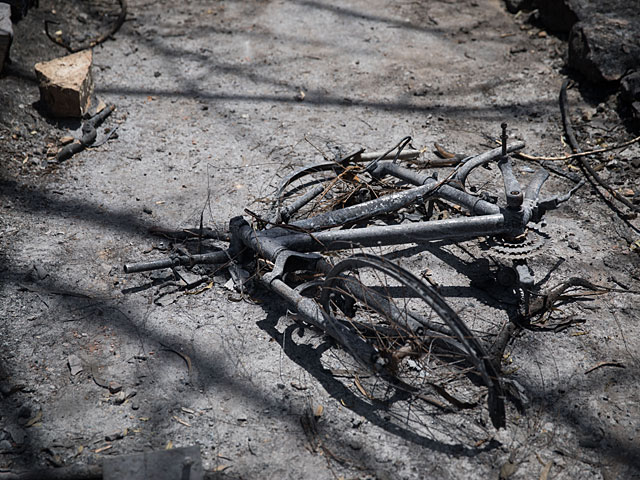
527,245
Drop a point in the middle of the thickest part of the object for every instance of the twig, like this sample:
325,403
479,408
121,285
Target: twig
361,389
442,152
310,427
568,175
506,334
604,364
180,421
579,154
546,301
262,222
573,143
317,149
89,135
539,306
447,158
544,474
184,356
97,41
453,400
200,230
434,402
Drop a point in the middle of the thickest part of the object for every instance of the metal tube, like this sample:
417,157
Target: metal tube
284,213
316,316
535,185
404,155
393,202
355,213
503,137
205,258
396,234
410,176
473,204
329,166
463,172
262,244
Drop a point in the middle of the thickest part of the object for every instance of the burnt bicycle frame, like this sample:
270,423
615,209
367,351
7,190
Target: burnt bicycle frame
295,245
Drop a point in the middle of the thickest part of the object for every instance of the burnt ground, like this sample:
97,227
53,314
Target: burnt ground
210,114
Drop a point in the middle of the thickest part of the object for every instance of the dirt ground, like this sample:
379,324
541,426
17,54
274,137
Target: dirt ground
215,102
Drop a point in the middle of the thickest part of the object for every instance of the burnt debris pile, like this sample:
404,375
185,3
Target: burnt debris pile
318,245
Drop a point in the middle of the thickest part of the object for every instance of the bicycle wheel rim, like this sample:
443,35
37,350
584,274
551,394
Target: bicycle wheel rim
422,344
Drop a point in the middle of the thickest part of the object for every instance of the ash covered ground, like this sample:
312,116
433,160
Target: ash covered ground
215,102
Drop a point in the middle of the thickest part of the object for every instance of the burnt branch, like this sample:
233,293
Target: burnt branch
89,134
96,41
584,163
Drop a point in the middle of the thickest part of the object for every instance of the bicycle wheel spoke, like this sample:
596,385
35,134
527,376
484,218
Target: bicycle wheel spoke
422,346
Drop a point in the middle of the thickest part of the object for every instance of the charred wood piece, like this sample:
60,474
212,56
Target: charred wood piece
89,135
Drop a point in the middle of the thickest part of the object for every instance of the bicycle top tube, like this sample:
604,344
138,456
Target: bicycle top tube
426,187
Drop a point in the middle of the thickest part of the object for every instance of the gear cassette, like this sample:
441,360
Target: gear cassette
527,245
